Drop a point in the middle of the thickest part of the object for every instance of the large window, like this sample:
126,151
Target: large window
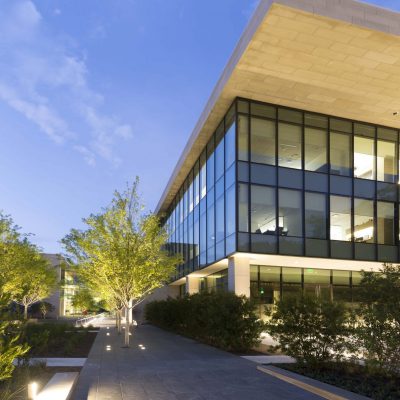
315,151
340,153
315,215
263,210
364,158
385,223
243,208
386,161
290,213
364,221
340,218
290,146
262,141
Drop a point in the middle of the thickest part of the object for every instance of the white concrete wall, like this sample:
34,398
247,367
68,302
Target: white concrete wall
239,275
192,284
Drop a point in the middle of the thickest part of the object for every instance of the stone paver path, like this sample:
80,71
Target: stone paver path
172,367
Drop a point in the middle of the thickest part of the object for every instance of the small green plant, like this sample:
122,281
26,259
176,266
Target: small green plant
309,329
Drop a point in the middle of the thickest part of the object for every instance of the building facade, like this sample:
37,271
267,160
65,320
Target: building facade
289,182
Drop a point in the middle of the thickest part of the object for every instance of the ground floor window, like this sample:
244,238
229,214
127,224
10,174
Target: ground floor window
268,284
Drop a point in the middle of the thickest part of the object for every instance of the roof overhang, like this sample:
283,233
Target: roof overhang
337,57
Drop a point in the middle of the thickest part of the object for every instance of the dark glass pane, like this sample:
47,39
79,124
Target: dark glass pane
341,185
243,139
364,130
364,251
290,146
243,106
263,210
290,178
386,191
315,215
290,115
319,121
316,182
316,248
341,250
243,242
387,134
340,125
262,110
291,291
342,294
219,187
263,174
263,243
290,213
243,171
291,246
262,141
340,154
387,253
315,142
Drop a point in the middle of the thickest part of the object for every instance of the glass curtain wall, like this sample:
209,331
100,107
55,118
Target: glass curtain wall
201,222
315,185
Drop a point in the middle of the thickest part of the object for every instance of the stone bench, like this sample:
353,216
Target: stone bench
59,387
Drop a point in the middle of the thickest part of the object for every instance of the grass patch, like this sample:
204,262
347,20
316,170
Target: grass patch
352,377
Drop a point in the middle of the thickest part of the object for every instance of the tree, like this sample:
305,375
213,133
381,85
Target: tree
121,252
377,318
36,277
45,308
309,329
83,300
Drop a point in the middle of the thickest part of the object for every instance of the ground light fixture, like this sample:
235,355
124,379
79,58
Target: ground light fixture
108,347
32,390
108,333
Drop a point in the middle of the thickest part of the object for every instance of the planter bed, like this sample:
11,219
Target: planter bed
352,377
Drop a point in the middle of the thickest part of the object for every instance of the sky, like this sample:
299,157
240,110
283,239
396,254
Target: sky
94,93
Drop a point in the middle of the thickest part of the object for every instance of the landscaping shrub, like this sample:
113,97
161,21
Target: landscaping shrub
56,340
220,319
377,319
309,329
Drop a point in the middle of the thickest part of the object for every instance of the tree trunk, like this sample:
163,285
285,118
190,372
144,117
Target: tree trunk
119,321
127,323
25,311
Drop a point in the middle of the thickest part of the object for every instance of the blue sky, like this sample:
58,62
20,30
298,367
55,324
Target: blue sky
93,93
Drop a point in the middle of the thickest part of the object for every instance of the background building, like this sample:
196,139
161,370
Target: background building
289,181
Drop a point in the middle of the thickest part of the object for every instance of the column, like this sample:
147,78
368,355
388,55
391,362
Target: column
192,284
239,275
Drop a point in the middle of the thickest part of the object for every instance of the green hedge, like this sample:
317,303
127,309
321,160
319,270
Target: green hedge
220,319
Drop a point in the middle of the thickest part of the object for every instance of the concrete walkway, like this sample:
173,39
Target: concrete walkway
171,367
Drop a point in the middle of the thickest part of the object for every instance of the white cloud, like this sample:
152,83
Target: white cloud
47,82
